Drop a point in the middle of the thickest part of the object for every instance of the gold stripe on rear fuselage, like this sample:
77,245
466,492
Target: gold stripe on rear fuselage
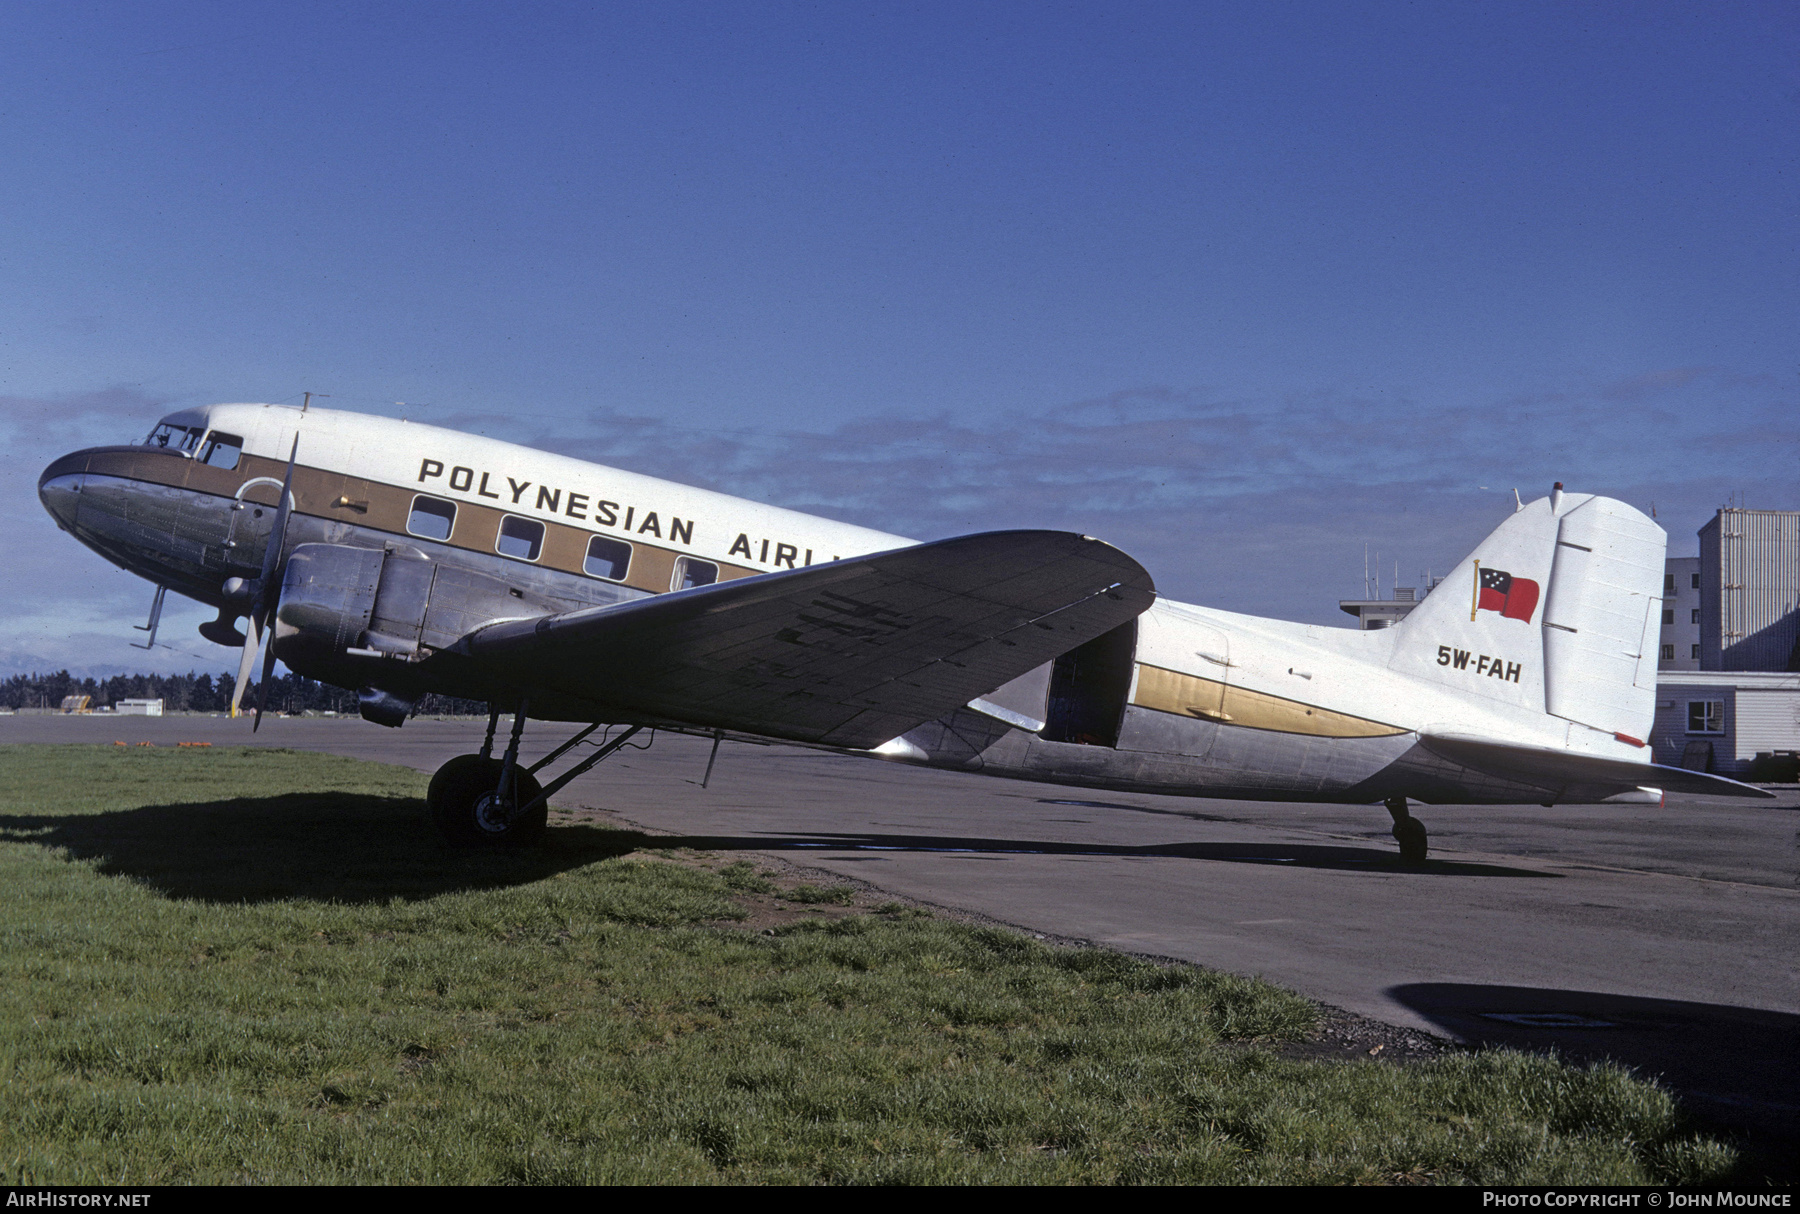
1190,695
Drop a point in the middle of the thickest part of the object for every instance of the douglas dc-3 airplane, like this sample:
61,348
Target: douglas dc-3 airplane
399,559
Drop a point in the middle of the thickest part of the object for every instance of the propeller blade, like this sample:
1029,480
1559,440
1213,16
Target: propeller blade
247,663
262,688
262,617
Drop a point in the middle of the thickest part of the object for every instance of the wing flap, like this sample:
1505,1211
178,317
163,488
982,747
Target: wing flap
1566,769
848,654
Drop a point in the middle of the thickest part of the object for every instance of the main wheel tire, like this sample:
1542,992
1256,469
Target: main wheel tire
1414,843
465,811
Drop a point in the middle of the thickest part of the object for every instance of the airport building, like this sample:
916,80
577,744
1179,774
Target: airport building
1750,590
1382,613
1742,724
1728,670
1680,615
1736,606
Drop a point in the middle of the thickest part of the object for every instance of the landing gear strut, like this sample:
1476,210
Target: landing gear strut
479,801
1409,832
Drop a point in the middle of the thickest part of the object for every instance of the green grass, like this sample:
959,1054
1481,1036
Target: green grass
257,966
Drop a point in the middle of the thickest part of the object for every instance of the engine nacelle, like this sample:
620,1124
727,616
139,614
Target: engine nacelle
337,599
328,595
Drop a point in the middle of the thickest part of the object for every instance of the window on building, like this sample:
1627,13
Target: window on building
607,558
431,518
1706,716
1694,616
520,538
1696,578
1668,651
691,572
222,450
1668,583
1696,654
1669,615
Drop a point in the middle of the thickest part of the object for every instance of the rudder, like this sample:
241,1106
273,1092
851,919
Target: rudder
1601,621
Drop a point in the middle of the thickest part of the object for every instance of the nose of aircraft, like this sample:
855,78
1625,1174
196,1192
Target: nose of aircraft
59,488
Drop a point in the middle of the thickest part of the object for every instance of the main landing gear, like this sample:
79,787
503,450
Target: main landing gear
480,801
1409,832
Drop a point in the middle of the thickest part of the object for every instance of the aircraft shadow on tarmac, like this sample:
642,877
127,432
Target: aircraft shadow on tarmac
1297,855
338,847
1733,1067
349,847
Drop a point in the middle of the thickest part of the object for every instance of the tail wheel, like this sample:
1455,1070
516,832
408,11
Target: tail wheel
1414,843
465,807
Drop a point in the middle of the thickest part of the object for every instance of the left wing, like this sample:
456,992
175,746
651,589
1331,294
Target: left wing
847,654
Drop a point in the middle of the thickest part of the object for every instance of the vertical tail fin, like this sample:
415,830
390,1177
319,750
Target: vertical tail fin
1556,611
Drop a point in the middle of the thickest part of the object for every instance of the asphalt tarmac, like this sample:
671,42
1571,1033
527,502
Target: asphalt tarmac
1663,937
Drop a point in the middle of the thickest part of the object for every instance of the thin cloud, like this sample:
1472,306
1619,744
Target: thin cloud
120,400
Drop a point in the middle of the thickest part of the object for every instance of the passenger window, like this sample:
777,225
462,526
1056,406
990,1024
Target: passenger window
691,572
520,538
431,518
222,450
607,558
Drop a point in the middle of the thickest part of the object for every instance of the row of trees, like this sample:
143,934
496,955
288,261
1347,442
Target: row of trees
192,692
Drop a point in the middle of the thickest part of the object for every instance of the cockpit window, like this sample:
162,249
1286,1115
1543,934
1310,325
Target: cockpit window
171,437
222,450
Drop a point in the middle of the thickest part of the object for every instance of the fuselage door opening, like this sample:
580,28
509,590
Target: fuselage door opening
1089,688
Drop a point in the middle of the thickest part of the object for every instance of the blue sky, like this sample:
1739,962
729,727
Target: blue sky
1240,288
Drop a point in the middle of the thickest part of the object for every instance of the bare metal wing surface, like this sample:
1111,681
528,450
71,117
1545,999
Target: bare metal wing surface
849,654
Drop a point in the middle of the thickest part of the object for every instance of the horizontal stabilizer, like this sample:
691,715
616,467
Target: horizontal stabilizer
1566,769
850,654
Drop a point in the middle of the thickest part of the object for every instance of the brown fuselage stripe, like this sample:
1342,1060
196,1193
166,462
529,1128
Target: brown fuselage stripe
1190,695
387,507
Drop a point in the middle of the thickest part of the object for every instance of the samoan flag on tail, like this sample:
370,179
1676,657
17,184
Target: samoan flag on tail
1513,597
